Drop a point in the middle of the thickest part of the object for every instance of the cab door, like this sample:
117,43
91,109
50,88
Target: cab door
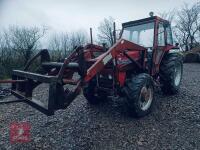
160,43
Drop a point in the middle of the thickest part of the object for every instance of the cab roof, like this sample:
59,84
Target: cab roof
143,21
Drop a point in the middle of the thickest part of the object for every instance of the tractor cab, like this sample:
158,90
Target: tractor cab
142,32
154,34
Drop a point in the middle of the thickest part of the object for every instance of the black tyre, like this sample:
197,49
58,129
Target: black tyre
171,71
140,94
92,95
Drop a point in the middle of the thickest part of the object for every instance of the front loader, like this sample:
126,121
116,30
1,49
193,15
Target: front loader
143,57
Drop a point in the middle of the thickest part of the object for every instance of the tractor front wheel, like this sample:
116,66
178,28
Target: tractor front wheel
140,94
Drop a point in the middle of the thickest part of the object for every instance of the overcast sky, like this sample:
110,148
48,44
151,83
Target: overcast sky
69,15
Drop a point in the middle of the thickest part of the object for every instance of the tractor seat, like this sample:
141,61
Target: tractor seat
58,65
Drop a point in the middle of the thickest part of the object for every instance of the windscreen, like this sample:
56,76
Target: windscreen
140,34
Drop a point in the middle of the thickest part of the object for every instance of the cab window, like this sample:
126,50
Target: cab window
169,36
161,35
142,34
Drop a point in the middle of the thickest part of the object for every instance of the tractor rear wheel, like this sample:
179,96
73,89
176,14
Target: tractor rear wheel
93,96
171,71
140,95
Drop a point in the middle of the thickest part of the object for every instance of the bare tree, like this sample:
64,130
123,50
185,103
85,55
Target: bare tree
188,25
65,43
17,44
24,40
169,15
105,29
61,44
5,48
78,38
55,45
2,56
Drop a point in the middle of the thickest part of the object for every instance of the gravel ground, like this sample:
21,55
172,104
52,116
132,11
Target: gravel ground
173,124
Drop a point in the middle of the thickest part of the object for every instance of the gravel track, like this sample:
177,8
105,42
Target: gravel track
173,124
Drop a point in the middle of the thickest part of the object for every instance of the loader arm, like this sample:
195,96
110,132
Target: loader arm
118,48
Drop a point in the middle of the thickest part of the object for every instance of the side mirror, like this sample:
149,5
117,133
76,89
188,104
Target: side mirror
177,44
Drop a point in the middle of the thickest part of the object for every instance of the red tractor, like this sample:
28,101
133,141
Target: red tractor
143,57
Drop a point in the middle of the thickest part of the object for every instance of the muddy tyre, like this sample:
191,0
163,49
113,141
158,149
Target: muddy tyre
140,95
171,71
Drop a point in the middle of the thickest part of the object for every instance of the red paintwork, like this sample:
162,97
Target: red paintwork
121,78
12,81
116,51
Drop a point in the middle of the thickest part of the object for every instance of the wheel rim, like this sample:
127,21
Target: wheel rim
178,74
146,97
